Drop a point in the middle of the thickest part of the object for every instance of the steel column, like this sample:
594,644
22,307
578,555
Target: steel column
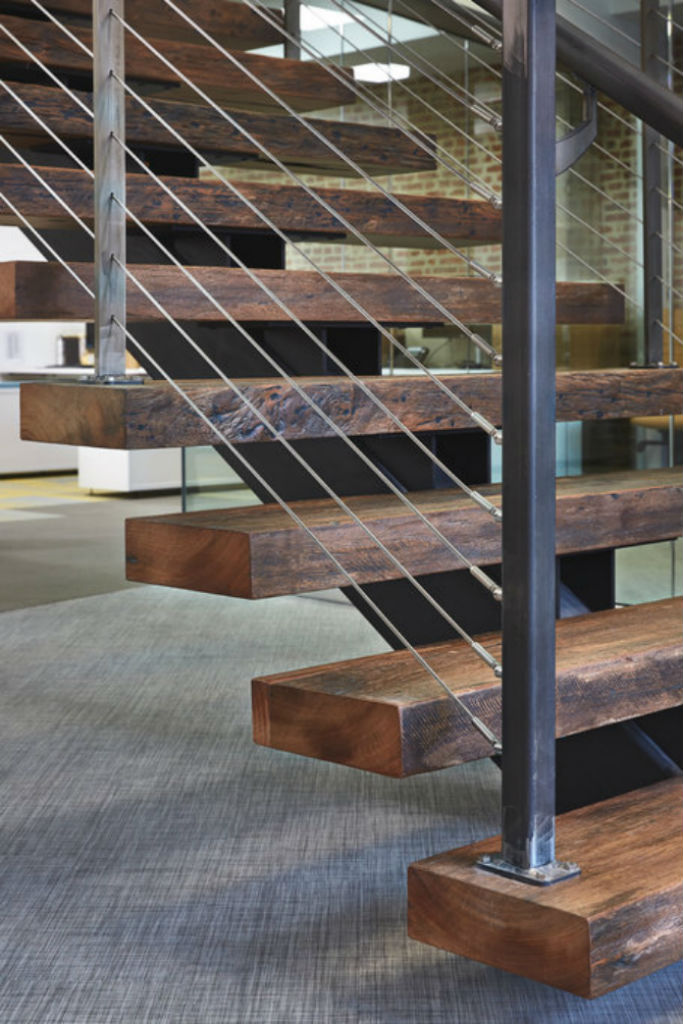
293,27
110,182
529,584
652,47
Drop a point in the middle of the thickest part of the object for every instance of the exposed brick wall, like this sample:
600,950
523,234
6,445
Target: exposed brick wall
601,194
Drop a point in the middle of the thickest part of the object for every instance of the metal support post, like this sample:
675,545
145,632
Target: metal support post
293,27
110,182
652,47
528,847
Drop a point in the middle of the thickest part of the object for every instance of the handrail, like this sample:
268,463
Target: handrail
653,103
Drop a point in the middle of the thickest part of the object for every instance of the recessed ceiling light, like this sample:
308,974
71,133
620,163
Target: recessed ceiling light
312,18
381,72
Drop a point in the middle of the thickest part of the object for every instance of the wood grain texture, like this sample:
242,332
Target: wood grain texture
304,86
611,666
232,24
376,149
259,551
464,222
621,919
46,291
155,416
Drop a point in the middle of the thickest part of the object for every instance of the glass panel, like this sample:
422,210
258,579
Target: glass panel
210,483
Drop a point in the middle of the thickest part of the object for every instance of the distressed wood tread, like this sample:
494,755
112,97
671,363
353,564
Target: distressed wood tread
259,551
303,85
463,221
232,24
386,714
376,149
46,291
156,416
620,920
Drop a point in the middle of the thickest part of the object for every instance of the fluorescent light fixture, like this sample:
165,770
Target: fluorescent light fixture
312,18
381,72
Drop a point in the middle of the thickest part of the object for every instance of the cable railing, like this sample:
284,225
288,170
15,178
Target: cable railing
533,345
477,573
476,418
316,54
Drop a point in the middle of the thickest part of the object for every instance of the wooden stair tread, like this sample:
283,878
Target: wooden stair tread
377,149
464,222
303,85
156,416
232,24
386,714
621,919
46,291
260,551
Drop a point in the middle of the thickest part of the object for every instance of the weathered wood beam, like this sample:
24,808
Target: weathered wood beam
259,551
304,86
375,148
621,919
156,416
46,291
386,714
463,221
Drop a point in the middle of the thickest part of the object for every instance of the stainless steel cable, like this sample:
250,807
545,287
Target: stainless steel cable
668,330
476,417
478,649
607,24
45,245
483,578
258,7
310,127
446,160
445,313
434,74
319,480
669,20
475,571
477,723
471,335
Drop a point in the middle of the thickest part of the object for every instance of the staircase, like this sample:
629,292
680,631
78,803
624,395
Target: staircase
618,684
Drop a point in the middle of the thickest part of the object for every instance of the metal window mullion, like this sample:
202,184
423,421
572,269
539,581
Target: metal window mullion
529,431
110,183
652,45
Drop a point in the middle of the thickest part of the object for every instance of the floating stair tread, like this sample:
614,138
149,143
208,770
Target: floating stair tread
375,148
156,416
621,919
462,221
232,24
260,551
303,85
46,291
386,714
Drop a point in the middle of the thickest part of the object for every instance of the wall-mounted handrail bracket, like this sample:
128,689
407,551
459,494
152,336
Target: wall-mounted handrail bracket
574,144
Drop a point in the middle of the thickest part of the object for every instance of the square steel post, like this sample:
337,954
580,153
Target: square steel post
528,811
653,51
110,182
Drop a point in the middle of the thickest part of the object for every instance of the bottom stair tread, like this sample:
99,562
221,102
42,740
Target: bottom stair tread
386,714
621,919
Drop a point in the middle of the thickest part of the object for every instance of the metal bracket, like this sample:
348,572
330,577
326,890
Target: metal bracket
653,366
574,144
113,378
547,874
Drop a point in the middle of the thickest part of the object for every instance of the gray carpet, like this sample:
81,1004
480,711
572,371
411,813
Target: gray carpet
52,552
158,867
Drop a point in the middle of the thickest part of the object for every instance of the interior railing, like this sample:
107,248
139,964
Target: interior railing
490,112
